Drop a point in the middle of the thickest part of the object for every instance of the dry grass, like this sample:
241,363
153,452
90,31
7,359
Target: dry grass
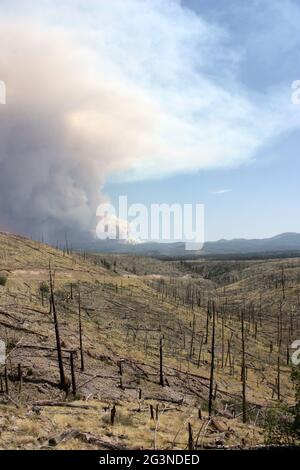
124,315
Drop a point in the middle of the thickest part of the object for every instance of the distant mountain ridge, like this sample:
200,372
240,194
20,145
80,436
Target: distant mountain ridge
289,241
285,242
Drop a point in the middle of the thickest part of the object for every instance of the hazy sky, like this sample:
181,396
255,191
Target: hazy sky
163,100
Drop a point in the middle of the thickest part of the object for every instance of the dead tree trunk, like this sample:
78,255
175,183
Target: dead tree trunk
73,373
113,415
80,331
212,364
151,412
161,374
57,335
222,358
243,370
283,282
190,440
207,322
279,341
200,350
6,380
193,335
228,355
20,377
278,376
121,373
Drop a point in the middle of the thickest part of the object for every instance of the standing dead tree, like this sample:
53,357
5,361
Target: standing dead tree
161,373
212,362
73,372
222,352
200,350
207,322
228,355
243,369
80,331
190,439
20,376
57,335
283,282
6,380
113,415
193,336
121,373
279,342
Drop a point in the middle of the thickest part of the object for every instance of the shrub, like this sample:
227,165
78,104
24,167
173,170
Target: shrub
279,426
282,424
44,288
3,280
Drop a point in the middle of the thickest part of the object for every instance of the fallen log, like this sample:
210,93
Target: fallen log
114,302
9,315
20,328
63,437
91,439
217,425
168,400
63,404
85,437
44,348
98,376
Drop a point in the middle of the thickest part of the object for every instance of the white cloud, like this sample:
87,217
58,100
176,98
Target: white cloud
221,191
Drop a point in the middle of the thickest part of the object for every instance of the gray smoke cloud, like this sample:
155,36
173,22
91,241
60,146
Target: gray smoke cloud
124,87
61,132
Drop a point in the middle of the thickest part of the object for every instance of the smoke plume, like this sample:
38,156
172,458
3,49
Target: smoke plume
113,87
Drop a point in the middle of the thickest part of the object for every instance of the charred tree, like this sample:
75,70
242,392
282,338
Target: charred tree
73,373
161,373
212,363
244,404
193,336
80,331
57,334
207,322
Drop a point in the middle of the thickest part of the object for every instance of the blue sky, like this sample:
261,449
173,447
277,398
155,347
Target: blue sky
262,194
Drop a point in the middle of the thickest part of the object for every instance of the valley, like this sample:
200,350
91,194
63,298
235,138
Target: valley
147,348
